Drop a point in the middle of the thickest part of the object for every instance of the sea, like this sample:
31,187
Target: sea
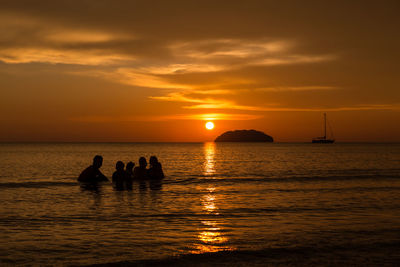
236,204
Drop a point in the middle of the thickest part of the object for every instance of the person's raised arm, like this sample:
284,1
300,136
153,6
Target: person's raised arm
101,177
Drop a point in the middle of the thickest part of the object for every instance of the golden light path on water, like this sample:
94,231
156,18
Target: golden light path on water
209,163
211,237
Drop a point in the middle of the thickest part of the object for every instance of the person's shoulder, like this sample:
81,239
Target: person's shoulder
89,168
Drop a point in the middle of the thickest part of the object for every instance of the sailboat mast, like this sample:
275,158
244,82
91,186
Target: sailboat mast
323,139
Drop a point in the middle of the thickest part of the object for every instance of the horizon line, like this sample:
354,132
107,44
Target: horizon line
183,142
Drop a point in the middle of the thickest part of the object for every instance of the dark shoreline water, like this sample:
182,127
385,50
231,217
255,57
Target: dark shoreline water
220,204
361,255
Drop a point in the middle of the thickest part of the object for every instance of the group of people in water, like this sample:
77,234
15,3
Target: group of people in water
123,178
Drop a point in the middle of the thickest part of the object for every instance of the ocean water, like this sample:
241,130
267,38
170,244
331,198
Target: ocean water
259,203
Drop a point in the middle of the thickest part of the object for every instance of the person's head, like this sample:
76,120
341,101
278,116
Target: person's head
130,165
97,161
119,166
153,160
142,162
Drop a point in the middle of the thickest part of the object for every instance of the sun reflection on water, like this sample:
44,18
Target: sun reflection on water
209,163
211,238
212,235
208,201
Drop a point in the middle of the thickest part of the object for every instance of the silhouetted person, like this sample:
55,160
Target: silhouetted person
92,174
129,175
118,177
155,171
140,172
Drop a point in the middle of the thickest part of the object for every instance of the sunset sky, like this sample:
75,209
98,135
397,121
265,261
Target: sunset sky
159,70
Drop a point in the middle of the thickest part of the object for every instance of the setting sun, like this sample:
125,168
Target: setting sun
210,125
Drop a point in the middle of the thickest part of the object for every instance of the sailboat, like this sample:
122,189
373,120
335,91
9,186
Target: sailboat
323,140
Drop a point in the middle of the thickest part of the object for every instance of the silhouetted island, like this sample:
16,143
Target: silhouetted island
244,136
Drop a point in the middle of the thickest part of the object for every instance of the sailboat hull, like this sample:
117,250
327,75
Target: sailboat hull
323,141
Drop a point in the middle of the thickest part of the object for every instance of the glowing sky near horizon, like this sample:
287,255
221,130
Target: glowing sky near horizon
139,71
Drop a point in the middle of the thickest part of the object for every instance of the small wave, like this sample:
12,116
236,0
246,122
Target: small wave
36,184
375,254
292,178
256,178
257,212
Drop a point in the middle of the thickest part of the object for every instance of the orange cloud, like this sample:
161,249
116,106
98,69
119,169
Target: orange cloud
211,116
55,56
296,88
